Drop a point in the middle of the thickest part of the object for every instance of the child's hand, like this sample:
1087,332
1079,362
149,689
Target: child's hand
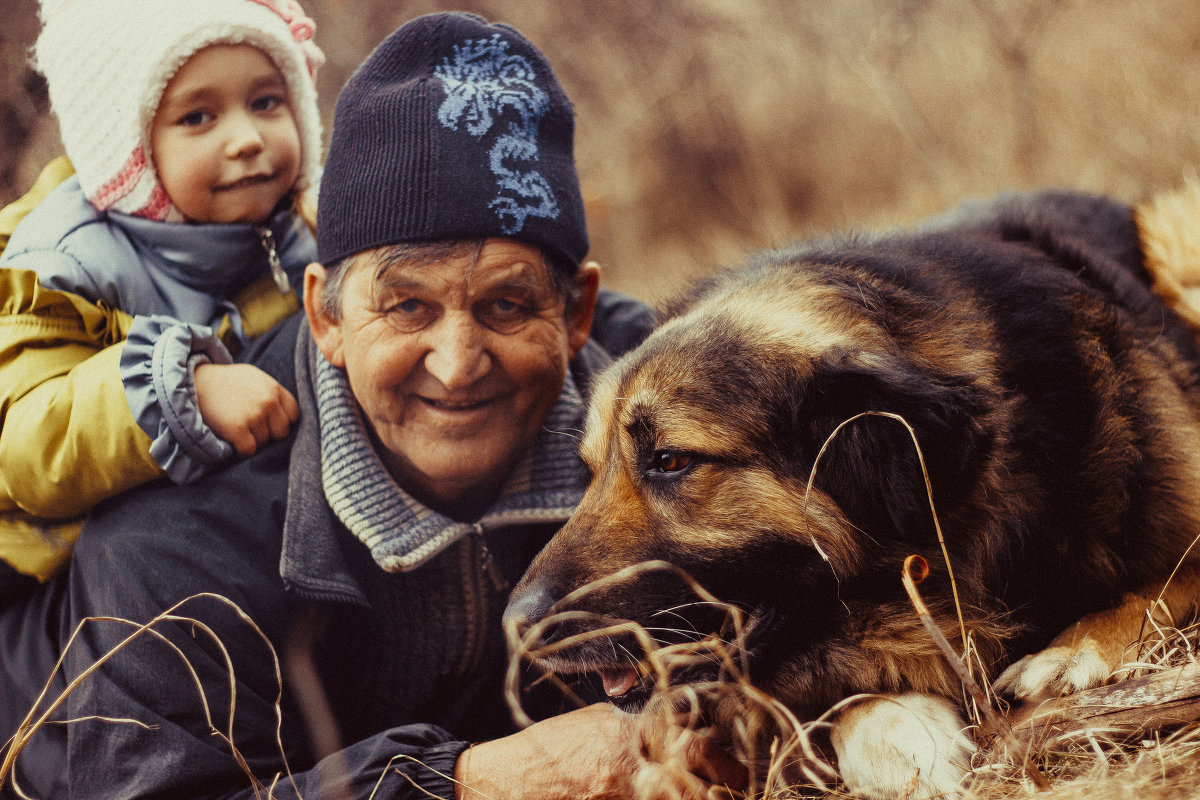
244,405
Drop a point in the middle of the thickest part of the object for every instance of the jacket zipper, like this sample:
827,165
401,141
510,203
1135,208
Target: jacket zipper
488,562
479,564
268,242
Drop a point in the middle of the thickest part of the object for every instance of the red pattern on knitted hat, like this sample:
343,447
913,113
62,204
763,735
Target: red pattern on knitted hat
300,26
124,181
158,207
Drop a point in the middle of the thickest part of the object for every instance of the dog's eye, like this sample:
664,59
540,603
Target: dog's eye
667,462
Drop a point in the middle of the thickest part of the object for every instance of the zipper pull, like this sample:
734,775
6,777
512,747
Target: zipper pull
268,242
488,562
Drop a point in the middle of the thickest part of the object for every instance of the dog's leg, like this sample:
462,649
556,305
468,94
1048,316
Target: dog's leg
1084,655
906,746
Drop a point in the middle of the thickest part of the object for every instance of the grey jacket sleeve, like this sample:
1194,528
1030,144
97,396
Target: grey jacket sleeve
157,369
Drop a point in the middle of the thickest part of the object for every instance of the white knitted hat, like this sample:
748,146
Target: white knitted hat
107,63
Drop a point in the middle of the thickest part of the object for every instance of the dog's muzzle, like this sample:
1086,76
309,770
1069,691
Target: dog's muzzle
526,608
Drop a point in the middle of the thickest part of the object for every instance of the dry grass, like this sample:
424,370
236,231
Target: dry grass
1081,763
45,709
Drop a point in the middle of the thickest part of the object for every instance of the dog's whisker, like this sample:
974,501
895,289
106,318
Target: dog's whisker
633,660
570,433
712,652
691,635
694,604
676,615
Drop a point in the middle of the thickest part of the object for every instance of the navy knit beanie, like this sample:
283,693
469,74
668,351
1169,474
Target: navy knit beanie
452,128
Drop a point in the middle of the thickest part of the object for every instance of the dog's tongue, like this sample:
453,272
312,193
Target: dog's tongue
618,681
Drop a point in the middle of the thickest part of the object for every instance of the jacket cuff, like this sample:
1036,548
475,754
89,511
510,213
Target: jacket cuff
434,772
411,762
157,364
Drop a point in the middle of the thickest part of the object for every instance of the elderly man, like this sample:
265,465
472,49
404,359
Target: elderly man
440,388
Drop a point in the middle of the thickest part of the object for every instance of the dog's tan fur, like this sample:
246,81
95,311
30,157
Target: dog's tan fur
1170,237
1064,470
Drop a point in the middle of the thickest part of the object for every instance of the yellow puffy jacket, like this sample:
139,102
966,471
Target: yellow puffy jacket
67,437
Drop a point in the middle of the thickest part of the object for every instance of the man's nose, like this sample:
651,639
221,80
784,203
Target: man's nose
457,354
244,138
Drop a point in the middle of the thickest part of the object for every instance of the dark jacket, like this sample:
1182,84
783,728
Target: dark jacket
153,719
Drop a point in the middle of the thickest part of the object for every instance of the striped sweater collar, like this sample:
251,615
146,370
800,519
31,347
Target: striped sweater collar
402,533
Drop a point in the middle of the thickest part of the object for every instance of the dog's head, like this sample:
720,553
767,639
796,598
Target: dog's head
702,444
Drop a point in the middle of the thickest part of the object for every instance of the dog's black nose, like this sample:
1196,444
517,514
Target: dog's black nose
529,605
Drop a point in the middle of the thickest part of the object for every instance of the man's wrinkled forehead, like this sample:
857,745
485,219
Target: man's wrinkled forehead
392,260
405,266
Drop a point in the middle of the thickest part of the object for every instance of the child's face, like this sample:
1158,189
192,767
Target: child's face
225,143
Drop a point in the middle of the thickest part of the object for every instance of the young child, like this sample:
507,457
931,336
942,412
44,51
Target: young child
193,129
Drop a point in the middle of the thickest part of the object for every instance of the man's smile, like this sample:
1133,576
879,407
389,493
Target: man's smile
456,405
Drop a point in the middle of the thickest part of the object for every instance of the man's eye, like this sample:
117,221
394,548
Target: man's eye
409,314
503,314
670,462
506,307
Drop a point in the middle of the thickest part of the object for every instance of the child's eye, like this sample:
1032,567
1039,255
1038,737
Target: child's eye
267,102
194,119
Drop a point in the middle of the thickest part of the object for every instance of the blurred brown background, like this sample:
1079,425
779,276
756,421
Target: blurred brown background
707,128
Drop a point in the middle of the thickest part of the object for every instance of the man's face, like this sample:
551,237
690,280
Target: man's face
224,141
455,367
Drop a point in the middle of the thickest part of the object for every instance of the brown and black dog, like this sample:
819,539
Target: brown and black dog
1055,399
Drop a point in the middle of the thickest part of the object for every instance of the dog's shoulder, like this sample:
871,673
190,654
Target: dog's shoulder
1090,239
1053,220
1091,236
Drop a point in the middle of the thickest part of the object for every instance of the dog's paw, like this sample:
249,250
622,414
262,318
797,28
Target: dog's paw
910,746
1055,671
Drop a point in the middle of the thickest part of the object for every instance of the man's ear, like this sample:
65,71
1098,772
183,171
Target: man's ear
579,318
326,330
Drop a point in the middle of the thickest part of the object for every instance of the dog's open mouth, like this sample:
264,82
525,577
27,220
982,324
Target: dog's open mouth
626,684
627,688
629,685
618,682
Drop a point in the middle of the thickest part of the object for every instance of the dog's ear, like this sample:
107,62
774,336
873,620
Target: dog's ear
870,465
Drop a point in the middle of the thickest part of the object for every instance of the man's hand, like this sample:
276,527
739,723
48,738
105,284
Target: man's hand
593,753
244,405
